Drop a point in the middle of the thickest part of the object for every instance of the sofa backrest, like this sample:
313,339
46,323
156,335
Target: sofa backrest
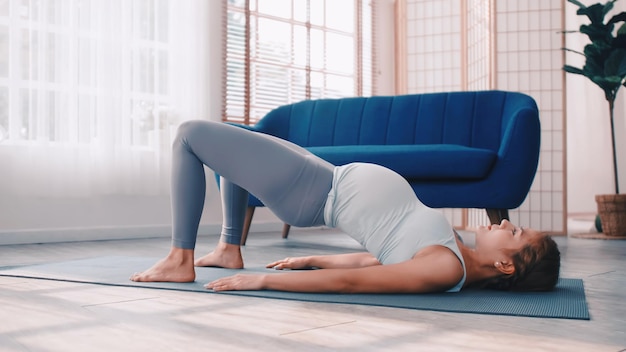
473,119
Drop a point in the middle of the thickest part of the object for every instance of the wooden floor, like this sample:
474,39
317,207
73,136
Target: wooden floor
40,315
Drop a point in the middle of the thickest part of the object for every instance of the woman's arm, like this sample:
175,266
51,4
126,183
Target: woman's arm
435,269
335,261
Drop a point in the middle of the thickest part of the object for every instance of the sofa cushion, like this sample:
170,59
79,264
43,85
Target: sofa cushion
422,161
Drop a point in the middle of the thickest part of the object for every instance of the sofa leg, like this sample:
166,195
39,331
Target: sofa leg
497,215
248,221
286,228
246,225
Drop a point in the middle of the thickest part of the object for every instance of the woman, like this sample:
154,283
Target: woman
411,248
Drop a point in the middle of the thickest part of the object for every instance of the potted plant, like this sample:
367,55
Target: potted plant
605,66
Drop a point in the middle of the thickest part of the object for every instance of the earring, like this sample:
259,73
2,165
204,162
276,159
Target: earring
496,264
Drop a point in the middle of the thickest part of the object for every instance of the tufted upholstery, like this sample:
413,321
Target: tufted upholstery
457,150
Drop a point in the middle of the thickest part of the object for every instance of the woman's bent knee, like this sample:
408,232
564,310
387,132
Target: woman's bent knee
188,128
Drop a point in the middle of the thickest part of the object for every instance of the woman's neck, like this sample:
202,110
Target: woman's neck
477,267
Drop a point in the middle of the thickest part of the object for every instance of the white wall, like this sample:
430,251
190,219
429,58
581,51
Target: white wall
589,158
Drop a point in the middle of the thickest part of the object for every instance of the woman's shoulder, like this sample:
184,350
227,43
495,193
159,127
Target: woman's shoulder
443,266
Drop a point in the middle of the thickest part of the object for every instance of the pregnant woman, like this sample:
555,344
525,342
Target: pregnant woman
410,247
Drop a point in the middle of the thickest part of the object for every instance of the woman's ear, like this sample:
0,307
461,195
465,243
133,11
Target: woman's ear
505,267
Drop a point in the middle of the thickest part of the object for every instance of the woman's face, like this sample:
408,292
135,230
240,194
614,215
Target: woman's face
504,236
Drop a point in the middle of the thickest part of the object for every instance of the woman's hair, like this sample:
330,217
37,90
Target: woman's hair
537,267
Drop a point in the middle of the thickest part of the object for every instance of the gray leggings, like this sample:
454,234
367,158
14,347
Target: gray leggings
287,178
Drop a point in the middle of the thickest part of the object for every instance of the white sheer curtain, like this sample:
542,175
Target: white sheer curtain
91,92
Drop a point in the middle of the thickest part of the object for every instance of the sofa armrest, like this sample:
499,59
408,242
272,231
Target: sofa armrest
518,155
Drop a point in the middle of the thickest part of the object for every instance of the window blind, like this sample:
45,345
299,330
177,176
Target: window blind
277,52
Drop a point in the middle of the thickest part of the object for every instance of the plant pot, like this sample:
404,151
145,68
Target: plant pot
612,211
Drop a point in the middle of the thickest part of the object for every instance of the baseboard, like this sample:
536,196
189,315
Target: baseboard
13,237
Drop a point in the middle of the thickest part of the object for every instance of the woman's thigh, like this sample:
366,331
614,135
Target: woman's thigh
285,177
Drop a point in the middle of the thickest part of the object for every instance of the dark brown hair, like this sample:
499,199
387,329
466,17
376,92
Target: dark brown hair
537,267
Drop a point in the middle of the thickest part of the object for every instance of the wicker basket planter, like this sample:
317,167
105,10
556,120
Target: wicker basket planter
612,210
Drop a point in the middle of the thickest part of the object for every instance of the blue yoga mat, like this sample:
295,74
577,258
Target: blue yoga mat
567,301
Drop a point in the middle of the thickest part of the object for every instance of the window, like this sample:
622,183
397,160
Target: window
92,91
56,57
278,52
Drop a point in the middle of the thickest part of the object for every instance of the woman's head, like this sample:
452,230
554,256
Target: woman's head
529,260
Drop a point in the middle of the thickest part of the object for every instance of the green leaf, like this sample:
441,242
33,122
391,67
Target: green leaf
597,32
619,42
593,69
607,8
606,83
577,3
608,87
615,65
620,17
595,13
614,81
622,68
572,69
597,51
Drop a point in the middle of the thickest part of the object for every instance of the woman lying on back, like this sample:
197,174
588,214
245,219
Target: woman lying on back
410,247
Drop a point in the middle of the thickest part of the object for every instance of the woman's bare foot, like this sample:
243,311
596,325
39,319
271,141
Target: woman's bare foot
176,267
224,255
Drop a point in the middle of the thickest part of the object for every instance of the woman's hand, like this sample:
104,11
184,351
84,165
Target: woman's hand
239,282
291,263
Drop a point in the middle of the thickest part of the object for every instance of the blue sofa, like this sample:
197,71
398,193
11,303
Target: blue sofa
457,150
